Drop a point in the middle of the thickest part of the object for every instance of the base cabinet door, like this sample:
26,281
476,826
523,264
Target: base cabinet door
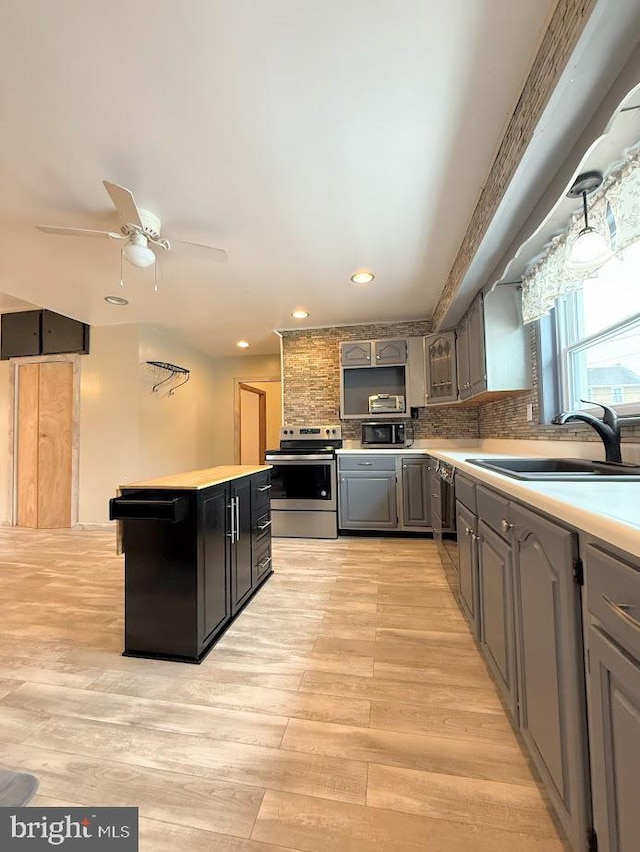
550,664
368,500
497,631
242,568
416,499
468,565
215,596
614,687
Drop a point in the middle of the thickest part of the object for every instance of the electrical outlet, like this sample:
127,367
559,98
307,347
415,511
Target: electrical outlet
529,411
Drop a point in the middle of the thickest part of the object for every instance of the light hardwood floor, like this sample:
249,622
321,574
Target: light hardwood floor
346,709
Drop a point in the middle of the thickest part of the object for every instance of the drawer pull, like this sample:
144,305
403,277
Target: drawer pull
264,488
263,527
623,610
506,526
365,464
264,562
468,531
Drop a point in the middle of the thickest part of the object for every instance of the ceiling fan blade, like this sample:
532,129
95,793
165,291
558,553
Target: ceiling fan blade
78,232
125,204
219,255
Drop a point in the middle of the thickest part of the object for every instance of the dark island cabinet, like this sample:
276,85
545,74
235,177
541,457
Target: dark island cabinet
193,559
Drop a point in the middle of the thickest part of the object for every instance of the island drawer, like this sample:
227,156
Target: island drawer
137,507
369,462
261,492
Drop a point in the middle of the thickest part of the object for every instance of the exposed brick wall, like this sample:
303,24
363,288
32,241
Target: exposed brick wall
311,383
557,45
507,417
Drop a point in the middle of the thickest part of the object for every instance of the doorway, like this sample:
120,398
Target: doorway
258,418
45,444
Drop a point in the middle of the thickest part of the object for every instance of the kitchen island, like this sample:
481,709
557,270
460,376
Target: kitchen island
197,548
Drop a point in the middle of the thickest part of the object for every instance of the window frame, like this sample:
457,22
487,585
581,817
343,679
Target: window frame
570,342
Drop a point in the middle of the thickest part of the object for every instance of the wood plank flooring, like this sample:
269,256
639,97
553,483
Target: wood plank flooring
346,709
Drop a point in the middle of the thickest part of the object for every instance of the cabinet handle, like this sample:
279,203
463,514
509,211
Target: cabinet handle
365,464
468,531
506,526
264,488
237,499
266,525
232,534
475,537
264,562
404,467
622,610
378,357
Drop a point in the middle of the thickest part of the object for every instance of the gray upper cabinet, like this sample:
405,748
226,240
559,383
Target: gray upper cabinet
356,353
416,499
440,369
493,346
390,352
613,639
550,664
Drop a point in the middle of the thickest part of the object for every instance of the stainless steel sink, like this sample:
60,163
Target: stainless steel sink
560,469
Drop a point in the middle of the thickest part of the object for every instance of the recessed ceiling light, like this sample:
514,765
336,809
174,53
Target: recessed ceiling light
116,300
362,279
301,314
242,344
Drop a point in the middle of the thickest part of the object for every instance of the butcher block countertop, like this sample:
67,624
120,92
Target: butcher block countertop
195,480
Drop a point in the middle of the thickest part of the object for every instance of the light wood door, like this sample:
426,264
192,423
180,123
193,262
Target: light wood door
44,437
253,424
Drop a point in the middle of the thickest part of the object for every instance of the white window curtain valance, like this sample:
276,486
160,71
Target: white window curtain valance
614,211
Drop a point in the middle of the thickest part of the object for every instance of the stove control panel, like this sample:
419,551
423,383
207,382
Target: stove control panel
310,433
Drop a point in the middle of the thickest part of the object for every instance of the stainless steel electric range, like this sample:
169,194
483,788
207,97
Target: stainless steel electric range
304,500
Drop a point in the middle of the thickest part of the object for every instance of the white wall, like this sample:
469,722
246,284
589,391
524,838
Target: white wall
108,418
228,371
129,433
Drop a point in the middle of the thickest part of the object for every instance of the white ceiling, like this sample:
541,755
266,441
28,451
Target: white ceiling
308,139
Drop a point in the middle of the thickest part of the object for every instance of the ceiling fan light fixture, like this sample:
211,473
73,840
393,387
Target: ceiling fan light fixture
138,253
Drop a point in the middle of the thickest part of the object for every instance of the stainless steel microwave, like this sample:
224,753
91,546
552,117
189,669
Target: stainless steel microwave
383,434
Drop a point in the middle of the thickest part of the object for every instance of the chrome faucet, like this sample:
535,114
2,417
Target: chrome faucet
608,428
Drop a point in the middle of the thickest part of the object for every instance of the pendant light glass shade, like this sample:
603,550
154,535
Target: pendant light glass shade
589,250
138,253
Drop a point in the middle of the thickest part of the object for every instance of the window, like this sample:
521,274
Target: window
598,332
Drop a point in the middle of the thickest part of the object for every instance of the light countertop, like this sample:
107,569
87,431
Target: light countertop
608,510
194,480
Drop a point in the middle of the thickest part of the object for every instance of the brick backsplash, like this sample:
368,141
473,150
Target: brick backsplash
311,391
311,386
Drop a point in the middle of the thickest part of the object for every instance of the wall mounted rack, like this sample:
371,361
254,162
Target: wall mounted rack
174,371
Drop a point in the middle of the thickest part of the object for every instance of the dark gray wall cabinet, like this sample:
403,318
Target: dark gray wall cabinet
41,333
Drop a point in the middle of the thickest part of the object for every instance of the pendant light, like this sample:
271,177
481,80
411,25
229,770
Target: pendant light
590,249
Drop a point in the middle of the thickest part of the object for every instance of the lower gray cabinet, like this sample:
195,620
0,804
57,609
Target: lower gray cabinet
497,628
613,641
368,500
416,499
467,525
550,664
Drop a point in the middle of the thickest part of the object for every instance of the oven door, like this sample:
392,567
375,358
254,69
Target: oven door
303,482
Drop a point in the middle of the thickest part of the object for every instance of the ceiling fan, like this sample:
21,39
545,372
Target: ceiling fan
140,228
